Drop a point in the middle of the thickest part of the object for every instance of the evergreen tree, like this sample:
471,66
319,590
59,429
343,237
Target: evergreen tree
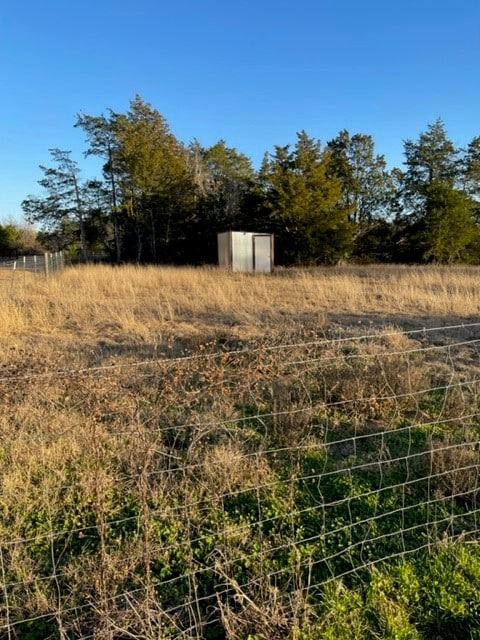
432,158
442,224
449,227
103,142
9,239
67,200
306,211
471,169
367,186
156,182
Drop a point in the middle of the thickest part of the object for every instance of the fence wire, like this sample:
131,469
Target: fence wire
166,498
44,263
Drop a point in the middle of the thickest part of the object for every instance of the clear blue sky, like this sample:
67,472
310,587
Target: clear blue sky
253,72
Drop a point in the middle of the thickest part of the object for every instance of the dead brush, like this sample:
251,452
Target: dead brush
454,466
373,381
290,404
120,482
139,615
263,611
226,468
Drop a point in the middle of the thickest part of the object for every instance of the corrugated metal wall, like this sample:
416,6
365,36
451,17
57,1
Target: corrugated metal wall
244,251
224,249
262,253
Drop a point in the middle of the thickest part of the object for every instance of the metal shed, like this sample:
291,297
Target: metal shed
245,251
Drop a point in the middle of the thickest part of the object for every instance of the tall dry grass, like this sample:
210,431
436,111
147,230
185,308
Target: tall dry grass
141,303
137,500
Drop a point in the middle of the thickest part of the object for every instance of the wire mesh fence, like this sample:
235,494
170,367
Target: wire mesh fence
218,494
44,263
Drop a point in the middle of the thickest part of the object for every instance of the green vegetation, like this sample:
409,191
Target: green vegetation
160,200
252,491
16,239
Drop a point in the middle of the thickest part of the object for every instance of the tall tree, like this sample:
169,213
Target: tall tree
67,198
432,158
449,226
103,141
442,220
471,168
156,179
367,185
306,208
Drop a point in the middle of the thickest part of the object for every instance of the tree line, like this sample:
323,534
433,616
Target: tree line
160,200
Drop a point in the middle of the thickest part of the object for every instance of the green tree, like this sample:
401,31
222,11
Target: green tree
449,226
367,185
67,198
305,202
155,178
432,158
471,173
9,237
438,185
103,142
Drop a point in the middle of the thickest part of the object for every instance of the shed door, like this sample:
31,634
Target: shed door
262,254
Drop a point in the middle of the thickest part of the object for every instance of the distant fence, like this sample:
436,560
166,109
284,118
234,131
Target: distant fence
44,263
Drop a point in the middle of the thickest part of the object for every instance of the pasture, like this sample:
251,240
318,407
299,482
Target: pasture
192,453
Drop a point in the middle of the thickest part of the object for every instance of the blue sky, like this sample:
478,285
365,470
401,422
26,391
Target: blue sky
251,72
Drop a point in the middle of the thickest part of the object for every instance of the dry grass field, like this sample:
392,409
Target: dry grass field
191,453
153,304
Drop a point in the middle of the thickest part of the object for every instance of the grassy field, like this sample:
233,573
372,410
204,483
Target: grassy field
191,453
145,304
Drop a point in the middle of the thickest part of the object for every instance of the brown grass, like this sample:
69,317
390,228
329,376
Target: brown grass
149,304
133,466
